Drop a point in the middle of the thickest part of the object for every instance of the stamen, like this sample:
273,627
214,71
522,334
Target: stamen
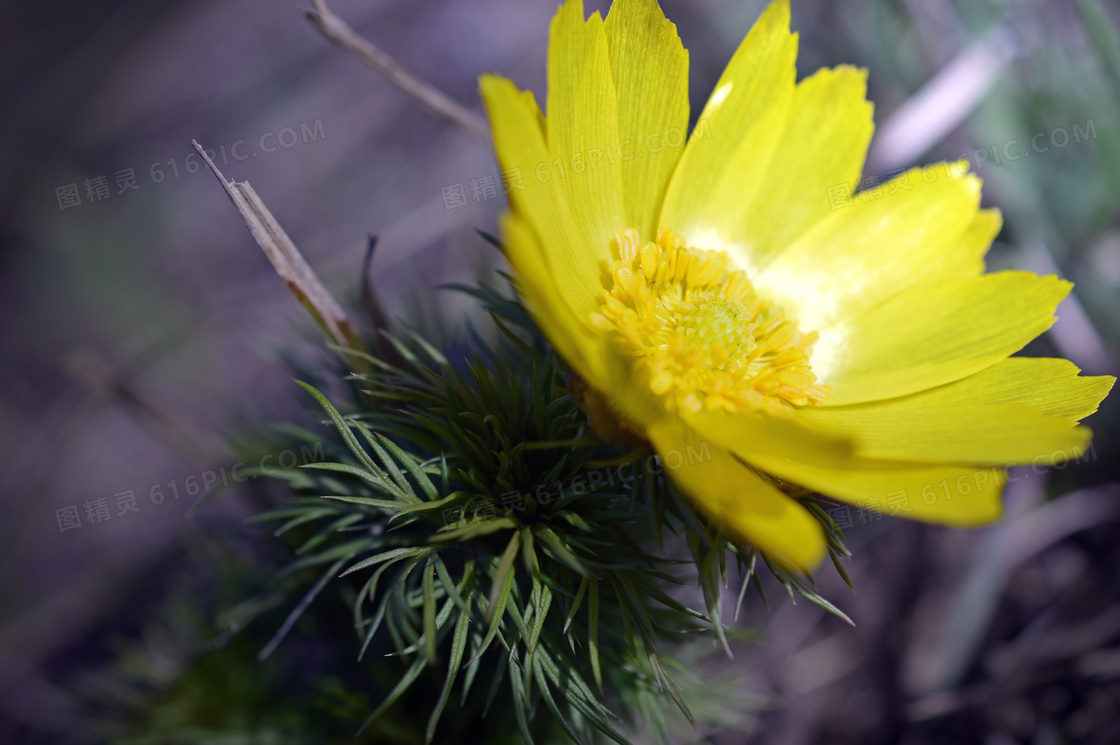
698,335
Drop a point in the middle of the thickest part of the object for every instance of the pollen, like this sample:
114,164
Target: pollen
698,336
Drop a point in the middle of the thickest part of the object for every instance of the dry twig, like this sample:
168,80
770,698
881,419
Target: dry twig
336,31
286,259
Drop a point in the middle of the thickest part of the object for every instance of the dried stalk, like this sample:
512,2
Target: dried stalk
336,31
286,259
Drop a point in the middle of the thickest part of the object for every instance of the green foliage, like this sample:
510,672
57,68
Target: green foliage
477,527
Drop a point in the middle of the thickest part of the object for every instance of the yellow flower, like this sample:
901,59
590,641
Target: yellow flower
725,299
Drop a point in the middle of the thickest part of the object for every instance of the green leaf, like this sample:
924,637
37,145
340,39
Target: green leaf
422,507
593,631
381,504
425,345
412,466
472,667
385,556
550,702
539,614
379,614
298,611
429,583
671,687
580,696
347,549
391,468
330,530
341,426
575,603
306,517
402,350
475,530
458,646
713,595
559,551
491,239
441,618
746,581
403,685
500,590
373,478
449,584
520,700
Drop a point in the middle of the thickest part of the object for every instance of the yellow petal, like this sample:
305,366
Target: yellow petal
568,331
582,121
823,146
921,339
725,161
869,251
734,498
978,433
762,433
1052,386
966,258
949,495
519,145
1019,410
650,69
633,403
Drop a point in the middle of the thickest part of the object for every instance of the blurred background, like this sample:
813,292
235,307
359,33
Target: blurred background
142,327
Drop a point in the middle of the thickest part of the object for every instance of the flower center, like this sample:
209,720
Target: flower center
698,335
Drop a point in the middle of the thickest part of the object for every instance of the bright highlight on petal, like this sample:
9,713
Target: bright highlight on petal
715,293
824,144
717,177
